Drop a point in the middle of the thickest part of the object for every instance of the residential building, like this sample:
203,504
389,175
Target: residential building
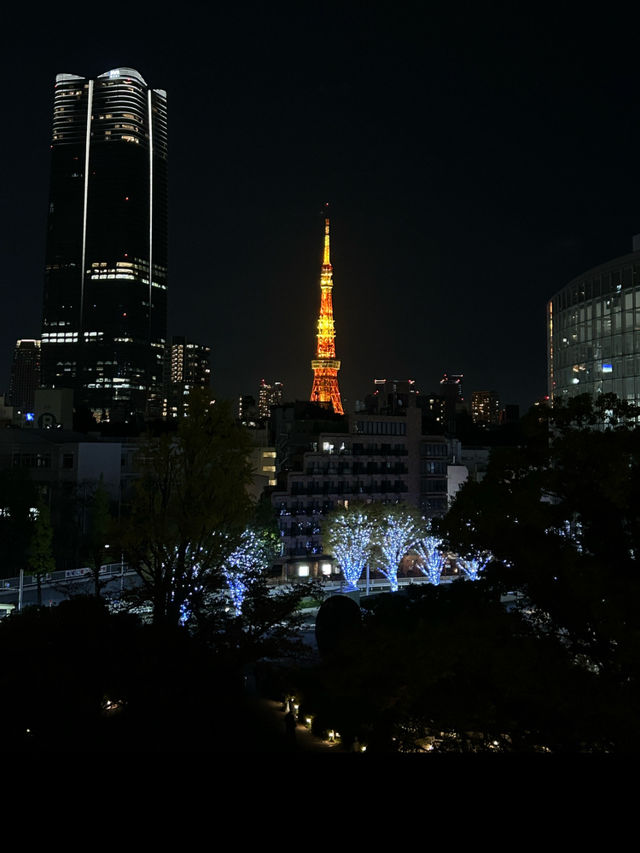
369,457
188,367
485,407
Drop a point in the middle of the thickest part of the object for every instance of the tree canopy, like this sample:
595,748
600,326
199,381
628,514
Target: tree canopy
190,507
561,516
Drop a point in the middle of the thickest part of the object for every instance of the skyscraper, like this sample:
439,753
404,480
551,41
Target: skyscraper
105,294
325,365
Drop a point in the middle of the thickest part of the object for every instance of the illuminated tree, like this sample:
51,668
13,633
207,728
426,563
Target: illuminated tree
348,535
472,566
395,534
253,555
429,548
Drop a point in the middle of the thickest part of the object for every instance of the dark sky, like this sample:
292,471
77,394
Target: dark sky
476,159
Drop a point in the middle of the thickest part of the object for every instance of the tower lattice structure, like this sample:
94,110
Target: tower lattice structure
325,365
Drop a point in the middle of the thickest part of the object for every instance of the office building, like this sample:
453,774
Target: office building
593,332
25,375
105,293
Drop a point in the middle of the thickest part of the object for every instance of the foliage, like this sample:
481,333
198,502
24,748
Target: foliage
561,516
450,668
100,530
189,509
267,626
77,677
40,554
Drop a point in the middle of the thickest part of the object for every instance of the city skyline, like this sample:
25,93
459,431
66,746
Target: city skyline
475,164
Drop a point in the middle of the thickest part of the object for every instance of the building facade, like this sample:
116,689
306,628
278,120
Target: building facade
379,458
25,375
593,332
105,293
188,367
485,407
269,395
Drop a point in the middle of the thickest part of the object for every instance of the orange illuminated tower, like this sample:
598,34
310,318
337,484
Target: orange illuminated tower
325,365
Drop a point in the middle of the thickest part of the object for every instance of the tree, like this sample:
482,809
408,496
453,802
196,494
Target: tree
249,560
190,508
348,534
40,552
396,531
100,525
266,626
561,517
432,558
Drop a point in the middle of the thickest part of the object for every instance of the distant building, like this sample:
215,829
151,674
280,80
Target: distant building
368,457
263,464
593,337
25,375
248,414
390,396
188,367
453,401
485,407
66,467
269,395
510,414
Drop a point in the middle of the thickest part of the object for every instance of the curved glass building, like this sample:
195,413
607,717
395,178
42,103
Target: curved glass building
105,293
593,332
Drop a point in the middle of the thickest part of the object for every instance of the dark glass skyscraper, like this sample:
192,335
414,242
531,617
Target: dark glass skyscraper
105,294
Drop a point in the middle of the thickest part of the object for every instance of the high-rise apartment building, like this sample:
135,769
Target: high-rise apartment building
485,407
25,375
189,367
105,294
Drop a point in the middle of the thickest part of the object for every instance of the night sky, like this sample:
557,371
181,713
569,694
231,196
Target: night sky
476,159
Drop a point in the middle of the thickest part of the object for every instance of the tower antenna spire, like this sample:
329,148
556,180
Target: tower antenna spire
325,365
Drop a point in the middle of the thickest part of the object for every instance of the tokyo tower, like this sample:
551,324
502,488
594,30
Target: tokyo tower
325,365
